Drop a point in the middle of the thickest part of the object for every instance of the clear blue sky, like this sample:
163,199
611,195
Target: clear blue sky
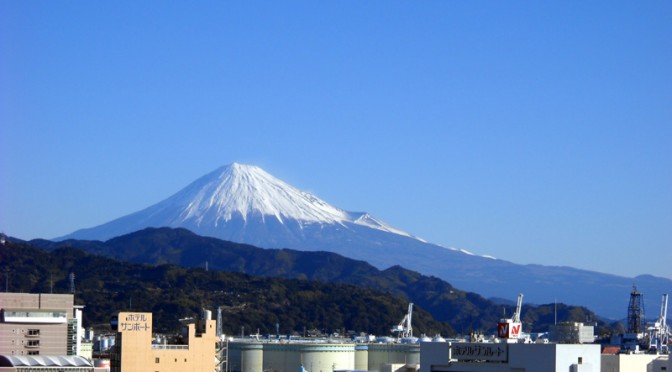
536,132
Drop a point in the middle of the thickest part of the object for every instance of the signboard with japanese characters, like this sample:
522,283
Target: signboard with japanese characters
135,322
479,351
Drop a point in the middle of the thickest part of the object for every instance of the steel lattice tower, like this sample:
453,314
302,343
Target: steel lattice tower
636,312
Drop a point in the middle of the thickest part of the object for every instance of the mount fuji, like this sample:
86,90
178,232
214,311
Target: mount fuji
245,204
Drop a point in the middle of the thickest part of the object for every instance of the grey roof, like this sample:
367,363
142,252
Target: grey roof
43,361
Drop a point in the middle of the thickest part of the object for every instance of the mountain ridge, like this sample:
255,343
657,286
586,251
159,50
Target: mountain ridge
170,292
445,302
273,214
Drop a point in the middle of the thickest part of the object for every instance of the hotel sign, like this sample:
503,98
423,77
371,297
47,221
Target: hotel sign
134,322
479,351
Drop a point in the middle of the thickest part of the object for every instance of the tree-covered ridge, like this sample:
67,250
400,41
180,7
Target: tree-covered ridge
464,311
106,286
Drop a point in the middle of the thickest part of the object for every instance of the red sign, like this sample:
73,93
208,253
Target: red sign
508,330
515,329
503,330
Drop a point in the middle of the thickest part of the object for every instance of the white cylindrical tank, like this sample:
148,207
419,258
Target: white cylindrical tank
424,339
361,357
327,358
313,356
251,358
382,354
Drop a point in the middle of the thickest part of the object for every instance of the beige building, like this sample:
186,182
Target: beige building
35,324
134,350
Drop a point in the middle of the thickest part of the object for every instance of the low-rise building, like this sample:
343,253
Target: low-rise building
134,350
509,357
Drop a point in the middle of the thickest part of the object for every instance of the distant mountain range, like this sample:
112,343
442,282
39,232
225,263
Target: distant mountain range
245,204
462,310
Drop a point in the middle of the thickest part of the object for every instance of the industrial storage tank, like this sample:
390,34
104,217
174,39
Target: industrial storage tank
327,357
361,357
382,354
246,355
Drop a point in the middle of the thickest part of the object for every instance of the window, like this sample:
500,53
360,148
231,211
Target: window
33,352
580,360
156,360
33,343
33,332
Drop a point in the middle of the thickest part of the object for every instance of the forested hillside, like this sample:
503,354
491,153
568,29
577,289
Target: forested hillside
106,286
464,311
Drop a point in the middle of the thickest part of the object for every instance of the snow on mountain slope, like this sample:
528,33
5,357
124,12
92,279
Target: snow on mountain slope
231,197
246,189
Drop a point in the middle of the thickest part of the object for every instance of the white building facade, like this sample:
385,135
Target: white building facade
505,357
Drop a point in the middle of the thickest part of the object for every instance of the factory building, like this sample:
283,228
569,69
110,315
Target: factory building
134,350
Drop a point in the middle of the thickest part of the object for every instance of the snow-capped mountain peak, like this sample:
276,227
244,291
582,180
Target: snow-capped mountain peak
244,190
244,203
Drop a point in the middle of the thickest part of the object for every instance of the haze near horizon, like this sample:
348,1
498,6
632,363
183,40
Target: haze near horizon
534,133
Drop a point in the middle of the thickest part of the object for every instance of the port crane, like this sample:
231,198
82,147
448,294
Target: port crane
510,328
404,328
659,331
519,305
